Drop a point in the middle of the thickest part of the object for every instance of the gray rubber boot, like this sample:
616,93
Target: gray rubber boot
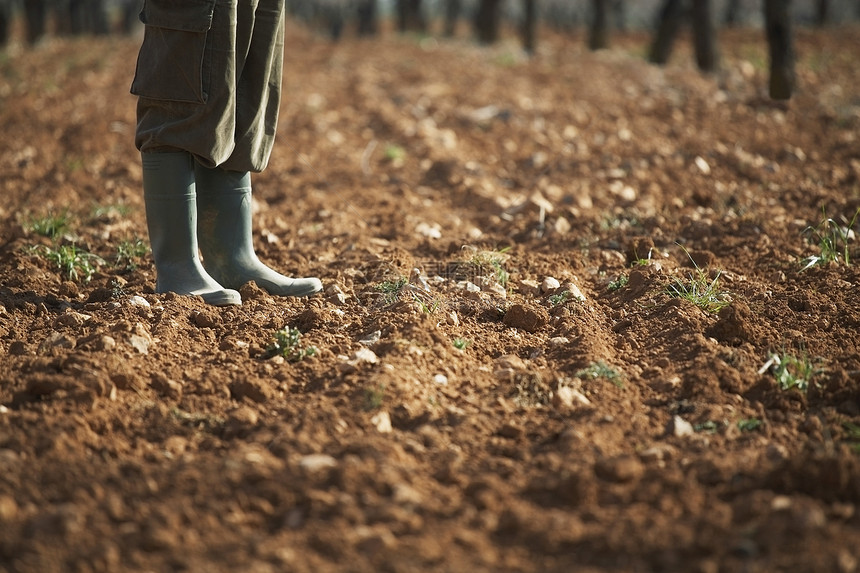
226,241
171,217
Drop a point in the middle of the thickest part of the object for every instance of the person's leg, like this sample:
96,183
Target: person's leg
171,215
224,192
226,238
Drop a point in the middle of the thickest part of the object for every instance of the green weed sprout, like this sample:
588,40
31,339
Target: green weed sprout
394,152
51,225
791,371
128,251
600,369
618,283
391,289
495,260
77,264
374,397
461,343
560,298
853,436
749,424
832,240
287,343
701,290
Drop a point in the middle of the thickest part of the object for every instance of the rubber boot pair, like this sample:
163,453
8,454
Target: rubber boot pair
190,206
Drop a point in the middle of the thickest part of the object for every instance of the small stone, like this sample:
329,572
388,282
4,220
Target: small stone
205,320
382,422
562,226
567,397
313,463
251,388
510,361
659,453
511,431
56,340
440,379
528,287
558,341
702,165
335,294
18,348
376,540
620,469
679,427
73,319
574,292
138,301
167,387
549,284
104,342
364,356
371,338
8,509
140,343
404,494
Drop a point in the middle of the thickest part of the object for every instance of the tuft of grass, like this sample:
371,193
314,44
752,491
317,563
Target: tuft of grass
494,261
129,251
51,225
287,343
530,390
600,369
77,264
391,289
852,432
428,305
832,241
618,283
394,153
374,397
560,298
791,371
749,424
462,343
701,290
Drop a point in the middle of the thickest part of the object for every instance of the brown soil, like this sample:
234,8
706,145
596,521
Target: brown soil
629,431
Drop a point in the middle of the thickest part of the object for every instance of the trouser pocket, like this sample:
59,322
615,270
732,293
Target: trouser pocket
171,63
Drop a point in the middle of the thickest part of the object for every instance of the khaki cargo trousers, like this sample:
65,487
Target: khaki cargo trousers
208,78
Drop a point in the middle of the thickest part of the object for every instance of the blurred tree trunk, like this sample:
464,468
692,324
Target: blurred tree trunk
410,18
5,22
529,25
487,20
452,16
35,14
705,36
733,13
598,37
777,15
366,14
620,11
671,18
822,14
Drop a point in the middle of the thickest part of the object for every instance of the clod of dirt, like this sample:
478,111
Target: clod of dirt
620,469
736,324
528,318
251,388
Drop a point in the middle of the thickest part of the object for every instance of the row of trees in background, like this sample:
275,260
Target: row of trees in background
486,19
69,17
487,16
